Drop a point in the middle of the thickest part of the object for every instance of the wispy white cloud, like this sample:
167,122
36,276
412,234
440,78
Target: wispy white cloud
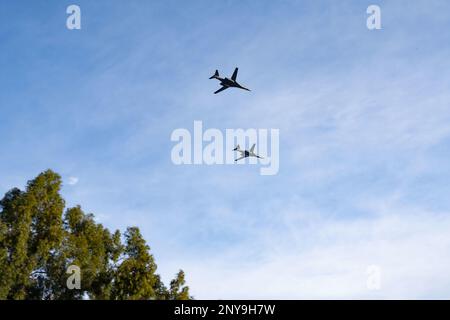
318,257
72,181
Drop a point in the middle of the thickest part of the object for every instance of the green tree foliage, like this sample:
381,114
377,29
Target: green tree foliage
138,263
178,290
39,241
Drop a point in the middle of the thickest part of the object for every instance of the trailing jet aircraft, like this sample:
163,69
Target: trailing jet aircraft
228,83
246,154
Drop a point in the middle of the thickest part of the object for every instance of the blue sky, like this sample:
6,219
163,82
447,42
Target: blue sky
364,136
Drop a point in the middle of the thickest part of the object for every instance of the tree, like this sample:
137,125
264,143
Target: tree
178,290
4,281
16,218
139,263
93,249
46,207
38,244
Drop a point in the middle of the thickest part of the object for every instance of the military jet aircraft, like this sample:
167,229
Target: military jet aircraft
245,153
228,83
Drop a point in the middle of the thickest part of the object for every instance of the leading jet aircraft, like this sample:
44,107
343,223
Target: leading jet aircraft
228,83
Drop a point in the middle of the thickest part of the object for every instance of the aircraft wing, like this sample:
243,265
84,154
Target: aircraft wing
221,89
234,76
252,149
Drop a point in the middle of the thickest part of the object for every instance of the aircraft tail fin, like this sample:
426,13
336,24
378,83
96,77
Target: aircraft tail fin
216,75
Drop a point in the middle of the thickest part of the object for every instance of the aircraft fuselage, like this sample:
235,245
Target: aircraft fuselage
230,83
